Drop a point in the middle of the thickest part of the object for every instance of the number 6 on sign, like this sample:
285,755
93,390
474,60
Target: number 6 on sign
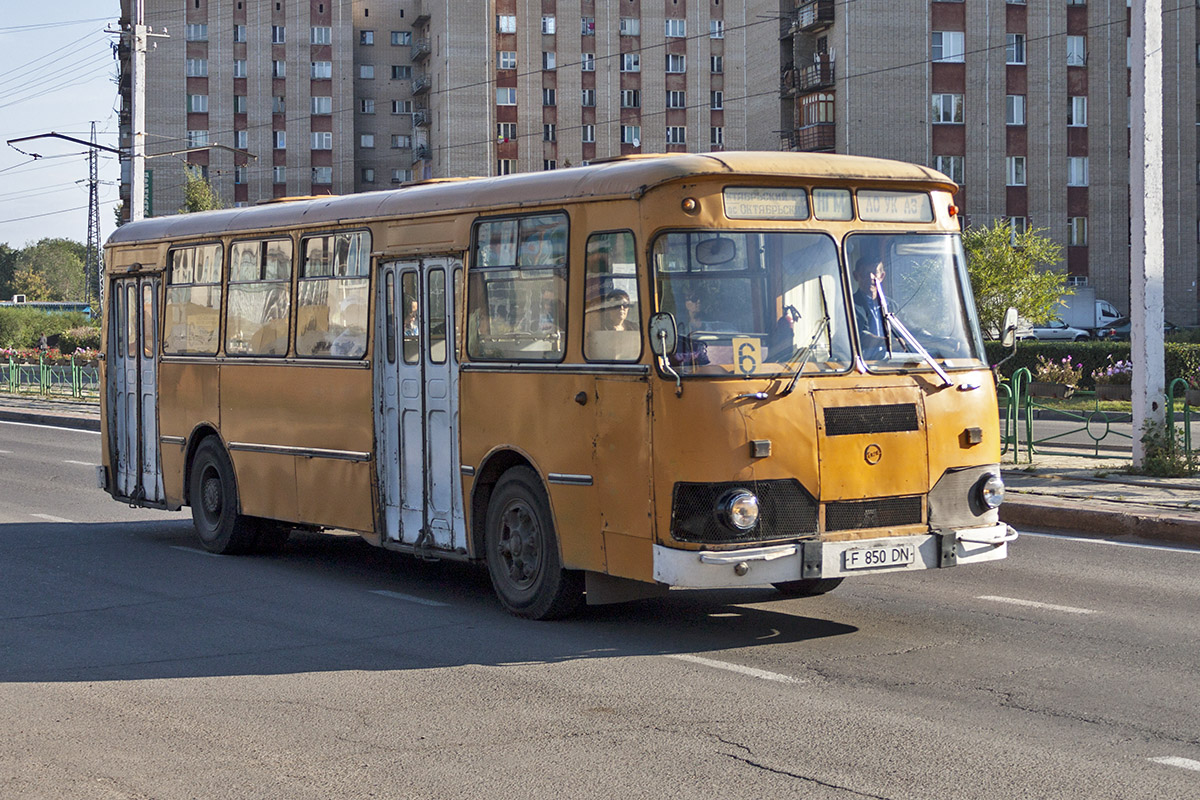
747,354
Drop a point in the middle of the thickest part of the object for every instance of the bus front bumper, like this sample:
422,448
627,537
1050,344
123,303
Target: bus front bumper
758,566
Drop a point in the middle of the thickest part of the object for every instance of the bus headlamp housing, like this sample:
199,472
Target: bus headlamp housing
991,491
739,509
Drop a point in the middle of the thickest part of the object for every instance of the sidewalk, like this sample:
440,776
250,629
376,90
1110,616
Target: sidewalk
1057,491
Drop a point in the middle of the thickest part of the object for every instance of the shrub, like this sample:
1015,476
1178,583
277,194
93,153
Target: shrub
1062,370
79,339
1180,359
1117,373
21,327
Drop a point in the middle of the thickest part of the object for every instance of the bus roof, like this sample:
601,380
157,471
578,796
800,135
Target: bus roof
623,176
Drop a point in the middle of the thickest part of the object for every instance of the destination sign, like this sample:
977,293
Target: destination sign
832,204
764,203
882,206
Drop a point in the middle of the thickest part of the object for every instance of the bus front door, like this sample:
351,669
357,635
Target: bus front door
133,384
418,406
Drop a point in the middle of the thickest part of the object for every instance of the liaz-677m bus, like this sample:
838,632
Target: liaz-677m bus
692,370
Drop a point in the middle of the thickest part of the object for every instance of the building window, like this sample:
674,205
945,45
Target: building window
322,105
1014,109
588,98
1077,111
401,38
587,62
368,175
196,33
506,96
631,98
817,109
716,29
587,26
676,63
239,175
319,70
1077,231
401,141
549,132
549,163
322,140
1014,169
630,26
716,101
239,68
320,34
241,139
366,141
716,64
506,23
1019,226
366,71
1077,171
239,104
1076,51
506,59
401,175
676,99
197,68
197,138
278,69
676,28
366,106
366,37
631,134
506,132
197,103
548,26
631,62
588,134
506,166
947,108
716,137
401,73
279,175
239,34
278,104
548,59
947,46
676,134
322,175
278,34
1014,48
951,166
549,97
402,106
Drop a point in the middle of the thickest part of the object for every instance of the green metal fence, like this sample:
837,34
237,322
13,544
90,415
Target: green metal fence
76,379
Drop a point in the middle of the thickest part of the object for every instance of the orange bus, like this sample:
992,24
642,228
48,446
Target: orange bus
693,370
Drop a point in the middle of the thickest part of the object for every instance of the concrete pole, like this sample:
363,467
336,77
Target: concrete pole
1146,209
137,95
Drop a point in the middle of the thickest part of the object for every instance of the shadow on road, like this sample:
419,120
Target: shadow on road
132,601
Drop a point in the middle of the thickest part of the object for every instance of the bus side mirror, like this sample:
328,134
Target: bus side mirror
663,334
1009,335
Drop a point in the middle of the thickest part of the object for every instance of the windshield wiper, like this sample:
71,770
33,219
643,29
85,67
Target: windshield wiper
890,320
822,327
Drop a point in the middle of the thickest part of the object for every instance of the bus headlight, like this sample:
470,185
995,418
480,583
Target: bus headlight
739,509
991,491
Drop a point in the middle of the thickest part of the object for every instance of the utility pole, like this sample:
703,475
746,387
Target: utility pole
1146,209
137,93
93,267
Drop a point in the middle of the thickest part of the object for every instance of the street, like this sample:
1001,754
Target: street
136,665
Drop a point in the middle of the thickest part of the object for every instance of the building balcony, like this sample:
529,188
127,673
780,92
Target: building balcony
818,76
814,15
420,153
420,49
421,84
818,138
421,118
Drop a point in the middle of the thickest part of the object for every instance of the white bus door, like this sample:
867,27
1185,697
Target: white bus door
418,420
133,382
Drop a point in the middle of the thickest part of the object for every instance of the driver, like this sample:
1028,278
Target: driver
866,306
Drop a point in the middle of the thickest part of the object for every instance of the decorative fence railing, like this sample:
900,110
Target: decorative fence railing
74,379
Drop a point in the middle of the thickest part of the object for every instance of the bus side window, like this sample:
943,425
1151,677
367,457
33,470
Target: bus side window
611,321
260,285
437,316
192,319
410,305
331,304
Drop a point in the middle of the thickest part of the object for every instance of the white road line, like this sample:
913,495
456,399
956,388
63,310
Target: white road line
5,452
408,598
196,551
1175,761
1110,543
80,463
50,518
1035,604
751,671
51,427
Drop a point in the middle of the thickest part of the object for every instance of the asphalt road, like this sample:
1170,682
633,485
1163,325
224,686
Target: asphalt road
136,666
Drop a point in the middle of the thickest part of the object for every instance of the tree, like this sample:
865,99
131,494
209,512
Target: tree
8,269
51,269
199,194
1013,269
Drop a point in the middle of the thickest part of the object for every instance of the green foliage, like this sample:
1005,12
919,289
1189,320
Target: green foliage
84,337
1165,454
1014,270
1180,359
199,194
51,269
8,269
21,327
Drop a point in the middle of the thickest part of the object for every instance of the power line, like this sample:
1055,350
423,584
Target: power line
59,24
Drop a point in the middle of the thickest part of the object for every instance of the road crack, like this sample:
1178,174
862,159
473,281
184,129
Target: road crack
805,778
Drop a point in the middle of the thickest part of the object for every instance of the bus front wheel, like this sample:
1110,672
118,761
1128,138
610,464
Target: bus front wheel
809,587
522,551
214,498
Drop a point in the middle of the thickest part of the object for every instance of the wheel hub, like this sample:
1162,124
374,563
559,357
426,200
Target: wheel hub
519,545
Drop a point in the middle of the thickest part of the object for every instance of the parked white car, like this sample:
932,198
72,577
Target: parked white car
1055,329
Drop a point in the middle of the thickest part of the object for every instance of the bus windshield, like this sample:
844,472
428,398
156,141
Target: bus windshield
924,283
753,303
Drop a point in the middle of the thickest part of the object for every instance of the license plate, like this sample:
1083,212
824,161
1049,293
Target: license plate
890,556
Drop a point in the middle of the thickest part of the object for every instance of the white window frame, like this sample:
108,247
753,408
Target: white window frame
1076,51
196,68
676,98
1077,111
320,34
629,26
506,23
322,176
716,65
716,136
505,132
1014,48
631,62
401,141
1077,171
549,132
631,98
587,62
366,72
947,109
549,25
506,96
675,28
676,63
196,32
322,140
716,100
1014,171
951,166
549,97
716,29
631,134
279,174
366,141
676,134
947,46
197,103
587,98
1077,231
321,105
1014,109
278,68
506,59
366,105
278,34
587,134
241,139
239,34
549,60
239,68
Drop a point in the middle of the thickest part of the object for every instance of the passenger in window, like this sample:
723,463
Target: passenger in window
412,323
695,318
866,306
550,314
615,312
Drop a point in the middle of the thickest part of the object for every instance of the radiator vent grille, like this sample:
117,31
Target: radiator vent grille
785,510
885,513
849,420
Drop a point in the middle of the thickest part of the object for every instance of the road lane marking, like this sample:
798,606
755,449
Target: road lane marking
51,518
51,427
408,598
751,671
81,463
1035,604
1175,761
1111,543
196,550
5,452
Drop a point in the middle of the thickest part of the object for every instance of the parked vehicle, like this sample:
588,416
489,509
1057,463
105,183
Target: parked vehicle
1083,310
1054,330
1119,330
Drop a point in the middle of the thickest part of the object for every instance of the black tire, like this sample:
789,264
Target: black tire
522,551
809,587
213,494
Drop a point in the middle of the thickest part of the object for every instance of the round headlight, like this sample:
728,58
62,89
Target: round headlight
741,509
991,491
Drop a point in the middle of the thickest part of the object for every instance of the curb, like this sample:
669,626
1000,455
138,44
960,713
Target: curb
1099,518
78,423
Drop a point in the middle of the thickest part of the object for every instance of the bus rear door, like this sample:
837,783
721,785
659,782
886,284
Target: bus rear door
133,383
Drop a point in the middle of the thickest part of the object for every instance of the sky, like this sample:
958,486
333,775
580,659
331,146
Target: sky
57,73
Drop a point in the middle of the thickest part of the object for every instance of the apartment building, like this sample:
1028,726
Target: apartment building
1024,102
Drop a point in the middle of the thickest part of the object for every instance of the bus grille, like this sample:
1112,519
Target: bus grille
785,510
893,418
885,513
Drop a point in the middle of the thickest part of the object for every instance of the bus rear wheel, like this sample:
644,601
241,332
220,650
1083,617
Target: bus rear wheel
809,587
214,498
522,551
